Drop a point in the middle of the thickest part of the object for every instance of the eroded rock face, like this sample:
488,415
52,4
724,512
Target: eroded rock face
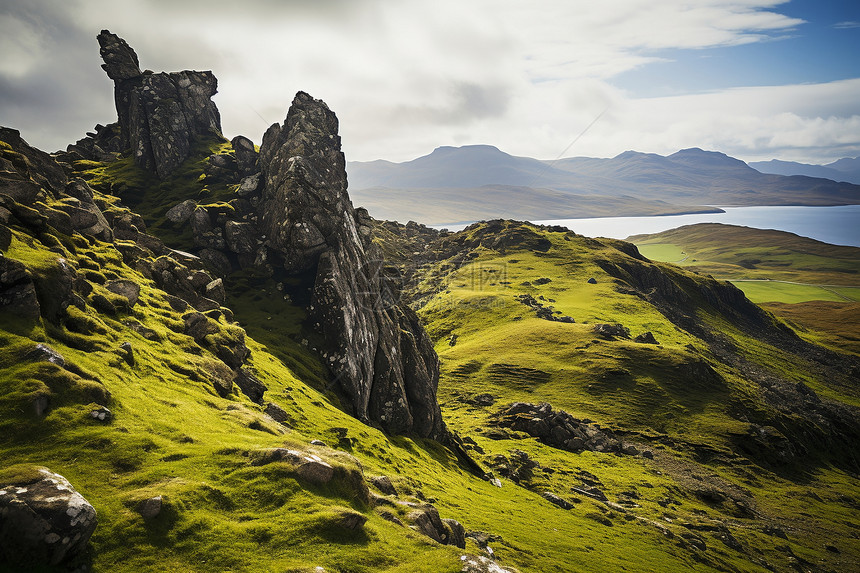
160,115
381,357
43,521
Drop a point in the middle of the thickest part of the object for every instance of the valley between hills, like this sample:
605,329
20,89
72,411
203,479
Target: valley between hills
210,360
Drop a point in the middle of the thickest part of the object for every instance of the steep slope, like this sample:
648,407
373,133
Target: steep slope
676,374
813,284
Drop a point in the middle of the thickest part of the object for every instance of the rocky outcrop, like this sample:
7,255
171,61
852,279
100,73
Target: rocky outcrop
161,115
559,429
380,356
44,521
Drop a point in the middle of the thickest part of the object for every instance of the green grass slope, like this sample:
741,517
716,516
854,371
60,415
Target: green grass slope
175,432
690,399
767,265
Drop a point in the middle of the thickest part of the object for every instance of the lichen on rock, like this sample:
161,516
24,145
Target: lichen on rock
160,115
379,354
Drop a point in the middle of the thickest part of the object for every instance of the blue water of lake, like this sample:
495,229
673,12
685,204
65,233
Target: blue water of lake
836,225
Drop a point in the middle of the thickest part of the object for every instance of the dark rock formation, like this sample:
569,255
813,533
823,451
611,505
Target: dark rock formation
43,521
542,311
382,358
559,429
27,174
160,115
17,292
425,519
556,500
611,331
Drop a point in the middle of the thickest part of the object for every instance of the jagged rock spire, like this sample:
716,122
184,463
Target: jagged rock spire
380,355
161,115
120,60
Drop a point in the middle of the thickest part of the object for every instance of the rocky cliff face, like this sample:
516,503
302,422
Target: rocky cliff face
160,115
381,357
291,215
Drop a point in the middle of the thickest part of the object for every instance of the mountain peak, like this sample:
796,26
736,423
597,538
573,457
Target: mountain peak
471,149
709,158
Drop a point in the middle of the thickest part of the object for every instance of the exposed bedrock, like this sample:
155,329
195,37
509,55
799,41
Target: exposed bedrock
161,115
381,357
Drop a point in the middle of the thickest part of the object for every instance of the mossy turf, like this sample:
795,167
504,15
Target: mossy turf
151,197
760,291
171,433
732,252
489,342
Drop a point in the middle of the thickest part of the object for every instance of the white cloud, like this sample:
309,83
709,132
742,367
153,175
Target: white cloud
405,77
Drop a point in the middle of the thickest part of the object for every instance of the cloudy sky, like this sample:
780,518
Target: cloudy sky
757,79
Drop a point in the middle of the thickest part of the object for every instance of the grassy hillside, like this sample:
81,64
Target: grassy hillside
755,259
686,399
179,427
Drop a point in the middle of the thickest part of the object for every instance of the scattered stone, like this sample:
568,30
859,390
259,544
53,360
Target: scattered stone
44,353
559,429
611,331
127,353
176,303
318,443
215,291
44,521
206,234
17,291
729,540
181,212
240,237
348,519
774,531
55,289
278,414
249,185
198,326
40,405
592,492
223,385
383,484
309,467
246,155
695,541
127,288
253,388
556,500
216,261
150,508
388,516
456,533
427,521
646,338
101,414
481,564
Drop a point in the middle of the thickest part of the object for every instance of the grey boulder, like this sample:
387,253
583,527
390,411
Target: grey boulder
44,521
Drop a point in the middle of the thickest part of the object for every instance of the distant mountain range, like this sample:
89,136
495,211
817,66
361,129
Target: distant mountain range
845,169
454,184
